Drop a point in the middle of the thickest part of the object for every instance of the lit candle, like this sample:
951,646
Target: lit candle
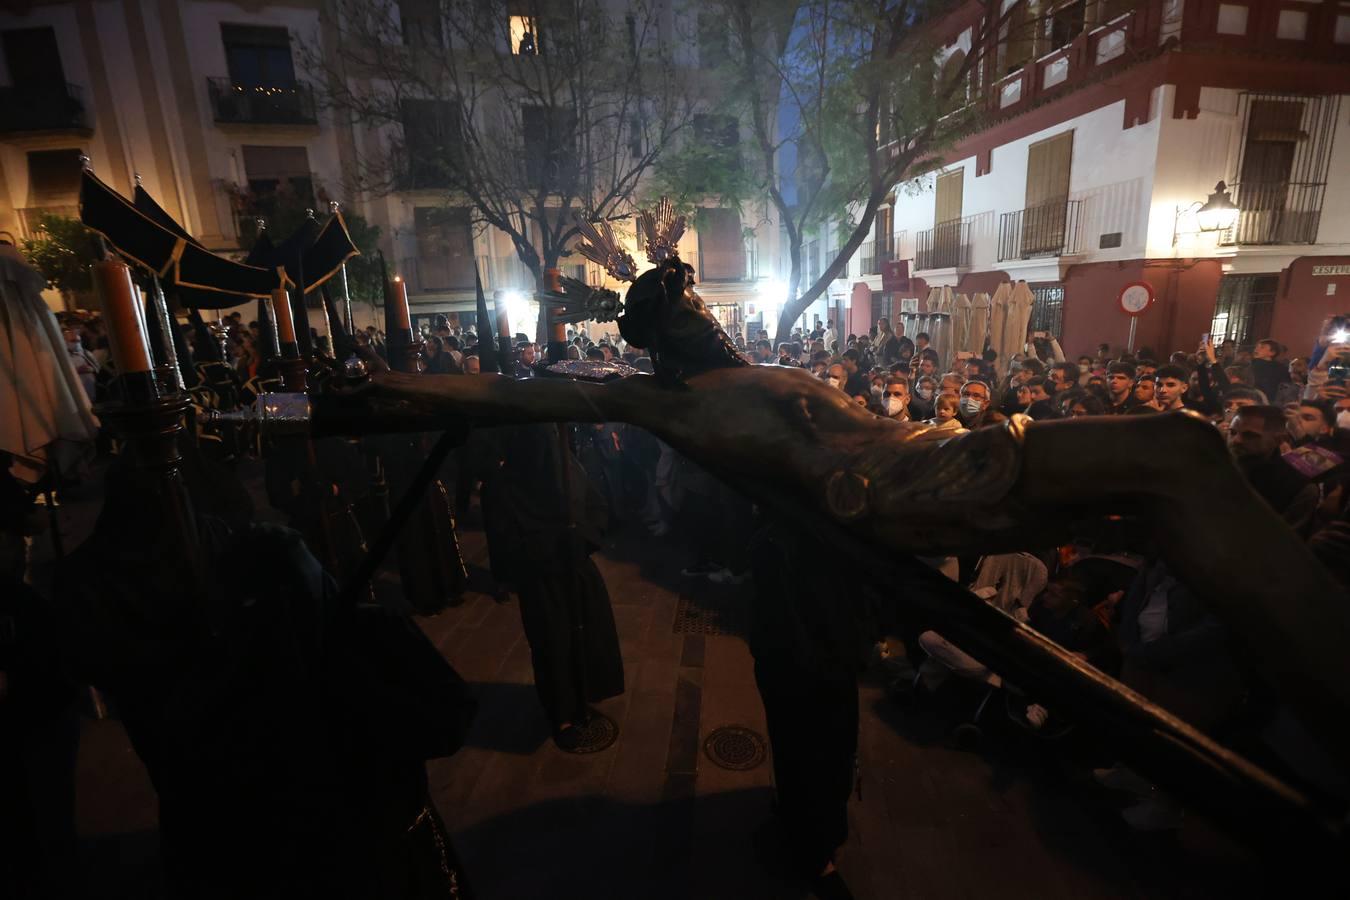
123,315
281,306
402,316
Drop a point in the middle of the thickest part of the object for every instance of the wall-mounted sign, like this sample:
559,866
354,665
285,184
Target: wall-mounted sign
1135,298
895,275
1327,271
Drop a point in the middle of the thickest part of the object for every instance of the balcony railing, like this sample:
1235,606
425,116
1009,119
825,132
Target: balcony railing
505,273
734,264
261,104
57,107
1276,212
875,254
944,246
441,274
30,219
1051,229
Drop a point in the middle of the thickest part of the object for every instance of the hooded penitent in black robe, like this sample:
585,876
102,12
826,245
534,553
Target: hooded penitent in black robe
540,544
285,727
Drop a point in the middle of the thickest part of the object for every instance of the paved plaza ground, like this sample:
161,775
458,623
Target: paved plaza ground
652,816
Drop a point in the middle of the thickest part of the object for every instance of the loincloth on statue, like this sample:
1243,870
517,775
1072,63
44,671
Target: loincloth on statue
929,492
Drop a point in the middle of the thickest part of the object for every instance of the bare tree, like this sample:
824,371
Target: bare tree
528,114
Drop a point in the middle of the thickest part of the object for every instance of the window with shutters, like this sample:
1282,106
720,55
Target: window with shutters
883,230
444,248
1282,168
950,188
421,21
433,143
550,137
1016,39
1064,23
1046,213
258,56
944,246
721,247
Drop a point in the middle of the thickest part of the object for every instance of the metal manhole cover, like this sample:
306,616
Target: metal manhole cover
597,734
736,748
706,618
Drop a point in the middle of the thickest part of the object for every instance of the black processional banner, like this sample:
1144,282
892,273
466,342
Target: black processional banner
174,257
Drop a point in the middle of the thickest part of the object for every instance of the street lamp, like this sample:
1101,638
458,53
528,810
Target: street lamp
1219,212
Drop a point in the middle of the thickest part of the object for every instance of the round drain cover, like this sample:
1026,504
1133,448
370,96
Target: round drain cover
598,733
734,747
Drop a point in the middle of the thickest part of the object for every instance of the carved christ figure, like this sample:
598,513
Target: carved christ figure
800,447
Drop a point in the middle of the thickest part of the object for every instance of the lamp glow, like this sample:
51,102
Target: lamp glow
1219,213
517,307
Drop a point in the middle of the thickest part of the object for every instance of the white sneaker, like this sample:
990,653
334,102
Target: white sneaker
726,576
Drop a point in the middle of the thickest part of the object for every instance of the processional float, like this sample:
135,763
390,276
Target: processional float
883,493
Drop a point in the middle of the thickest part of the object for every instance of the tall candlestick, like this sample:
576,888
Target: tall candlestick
402,315
124,316
555,332
281,306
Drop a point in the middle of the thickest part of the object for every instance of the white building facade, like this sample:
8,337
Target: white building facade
1096,145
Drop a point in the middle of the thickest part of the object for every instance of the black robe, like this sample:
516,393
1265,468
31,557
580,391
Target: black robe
287,742
541,532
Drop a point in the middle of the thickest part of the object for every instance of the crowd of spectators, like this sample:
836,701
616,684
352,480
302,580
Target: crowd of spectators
1108,597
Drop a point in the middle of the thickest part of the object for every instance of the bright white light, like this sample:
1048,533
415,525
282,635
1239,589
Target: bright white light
517,309
772,291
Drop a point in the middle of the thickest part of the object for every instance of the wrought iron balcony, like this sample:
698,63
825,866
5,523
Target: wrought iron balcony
944,246
57,107
440,275
261,104
729,264
1051,229
875,254
1276,212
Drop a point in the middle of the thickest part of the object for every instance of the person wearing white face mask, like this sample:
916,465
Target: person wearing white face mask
1343,420
895,398
835,376
878,389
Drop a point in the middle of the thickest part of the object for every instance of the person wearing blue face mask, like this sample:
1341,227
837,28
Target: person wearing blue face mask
922,396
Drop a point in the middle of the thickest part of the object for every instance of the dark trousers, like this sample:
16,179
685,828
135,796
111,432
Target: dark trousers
574,645
813,729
